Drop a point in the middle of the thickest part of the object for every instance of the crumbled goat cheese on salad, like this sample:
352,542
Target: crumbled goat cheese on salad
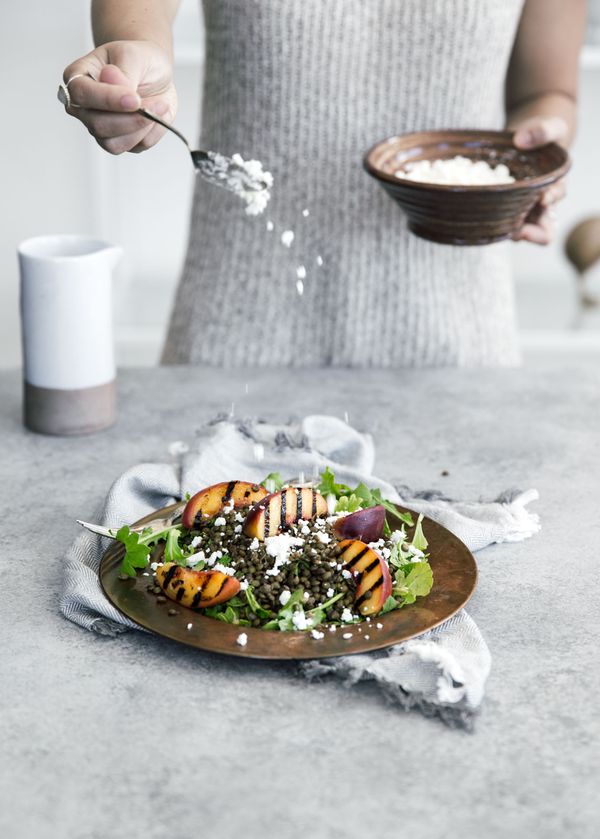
224,569
300,620
220,522
347,616
458,171
242,639
279,547
316,634
285,596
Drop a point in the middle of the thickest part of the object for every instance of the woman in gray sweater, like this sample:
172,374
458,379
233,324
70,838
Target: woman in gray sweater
307,87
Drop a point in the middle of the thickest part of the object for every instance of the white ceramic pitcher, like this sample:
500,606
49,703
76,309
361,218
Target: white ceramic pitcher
68,351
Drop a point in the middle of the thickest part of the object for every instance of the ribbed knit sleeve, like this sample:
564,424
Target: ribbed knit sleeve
307,87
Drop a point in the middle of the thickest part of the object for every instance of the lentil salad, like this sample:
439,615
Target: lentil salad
283,556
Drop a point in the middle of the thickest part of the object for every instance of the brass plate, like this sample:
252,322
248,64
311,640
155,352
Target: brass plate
454,580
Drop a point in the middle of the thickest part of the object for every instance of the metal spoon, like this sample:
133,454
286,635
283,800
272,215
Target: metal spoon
210,164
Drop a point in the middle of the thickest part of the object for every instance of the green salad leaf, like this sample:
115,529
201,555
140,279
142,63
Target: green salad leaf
413,580
348,504
173,551
136,552
138,546
418,539
255,606
390,603
328,485
273,482
349,500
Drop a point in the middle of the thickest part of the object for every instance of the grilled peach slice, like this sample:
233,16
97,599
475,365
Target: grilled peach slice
363,524
196,589
372,572
210,501
280,509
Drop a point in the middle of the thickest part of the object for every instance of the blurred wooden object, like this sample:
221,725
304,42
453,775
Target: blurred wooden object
582,248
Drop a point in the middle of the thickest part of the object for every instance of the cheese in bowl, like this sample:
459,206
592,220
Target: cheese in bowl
457,171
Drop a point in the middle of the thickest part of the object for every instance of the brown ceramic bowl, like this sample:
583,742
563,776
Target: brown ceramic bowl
466,215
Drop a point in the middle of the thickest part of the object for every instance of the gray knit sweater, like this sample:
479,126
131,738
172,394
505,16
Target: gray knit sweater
307,86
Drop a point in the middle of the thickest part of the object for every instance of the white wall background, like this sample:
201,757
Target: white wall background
55,179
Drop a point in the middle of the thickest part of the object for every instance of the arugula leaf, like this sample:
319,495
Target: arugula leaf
398,557
390,603
328,485
412,581
255,606
273,482
231,614
419,540
272,624
331,601
349,500
286,613
348,504
173,551
136,552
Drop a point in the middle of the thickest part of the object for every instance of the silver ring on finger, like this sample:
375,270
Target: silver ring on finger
63,95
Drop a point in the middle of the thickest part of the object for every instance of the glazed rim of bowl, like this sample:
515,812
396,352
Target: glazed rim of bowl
445,136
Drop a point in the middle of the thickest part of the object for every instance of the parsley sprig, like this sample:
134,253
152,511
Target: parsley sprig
138,547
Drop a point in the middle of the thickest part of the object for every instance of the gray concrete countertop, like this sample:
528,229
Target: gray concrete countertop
138,737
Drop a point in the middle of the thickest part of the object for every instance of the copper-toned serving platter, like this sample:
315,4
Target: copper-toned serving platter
454,580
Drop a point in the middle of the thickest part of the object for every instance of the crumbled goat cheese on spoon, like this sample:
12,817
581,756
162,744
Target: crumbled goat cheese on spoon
458,171
245,178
